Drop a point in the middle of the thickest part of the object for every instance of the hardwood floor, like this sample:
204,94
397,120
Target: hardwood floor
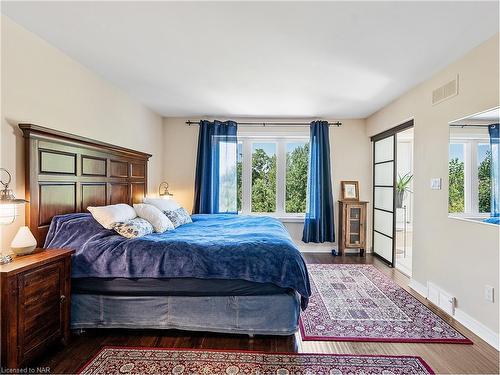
479,358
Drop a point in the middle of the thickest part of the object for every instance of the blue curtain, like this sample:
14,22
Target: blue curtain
495,170
319,221
215,179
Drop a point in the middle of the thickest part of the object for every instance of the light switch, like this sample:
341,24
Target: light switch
488,293
436,183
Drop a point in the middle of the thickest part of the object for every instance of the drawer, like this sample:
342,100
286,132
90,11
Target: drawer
40,309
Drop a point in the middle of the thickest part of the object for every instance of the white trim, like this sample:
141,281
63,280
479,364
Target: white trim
474,115
417,287
470,220
487,334
318,249
291,219
312,247
463,215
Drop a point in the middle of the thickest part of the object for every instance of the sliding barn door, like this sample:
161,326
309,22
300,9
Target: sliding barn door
384,151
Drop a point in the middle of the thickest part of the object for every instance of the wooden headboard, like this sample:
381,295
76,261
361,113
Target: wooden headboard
66,173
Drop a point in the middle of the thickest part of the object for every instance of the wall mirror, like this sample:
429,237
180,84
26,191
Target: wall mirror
473,168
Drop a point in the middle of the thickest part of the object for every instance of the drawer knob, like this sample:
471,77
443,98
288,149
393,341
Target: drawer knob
62,299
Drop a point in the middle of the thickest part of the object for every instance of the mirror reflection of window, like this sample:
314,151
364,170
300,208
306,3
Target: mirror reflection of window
473,185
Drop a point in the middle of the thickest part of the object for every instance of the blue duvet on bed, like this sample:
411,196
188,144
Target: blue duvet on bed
251,248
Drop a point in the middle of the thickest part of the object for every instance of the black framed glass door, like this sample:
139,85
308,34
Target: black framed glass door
384,192
383,197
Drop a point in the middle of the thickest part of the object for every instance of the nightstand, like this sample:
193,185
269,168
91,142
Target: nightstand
35,305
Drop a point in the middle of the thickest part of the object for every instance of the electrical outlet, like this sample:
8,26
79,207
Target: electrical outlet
436,183
488,293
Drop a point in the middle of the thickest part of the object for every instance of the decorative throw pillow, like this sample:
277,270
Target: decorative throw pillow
178,217
163,204
108,216
134,228
158,220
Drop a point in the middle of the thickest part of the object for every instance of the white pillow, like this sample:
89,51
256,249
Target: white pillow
108,216
158,219
162,204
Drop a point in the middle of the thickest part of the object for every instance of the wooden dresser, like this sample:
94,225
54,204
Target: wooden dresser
35,305
352,226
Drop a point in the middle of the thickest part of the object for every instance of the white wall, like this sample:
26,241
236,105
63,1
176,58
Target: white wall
43,86
350,157
461,257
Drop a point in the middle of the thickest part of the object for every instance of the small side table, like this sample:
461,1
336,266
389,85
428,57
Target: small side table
352,226
36,302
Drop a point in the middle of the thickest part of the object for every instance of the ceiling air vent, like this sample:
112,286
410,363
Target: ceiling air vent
445,92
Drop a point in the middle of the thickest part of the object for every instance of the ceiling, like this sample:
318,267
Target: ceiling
258,59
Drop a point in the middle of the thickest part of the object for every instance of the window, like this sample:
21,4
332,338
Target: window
264,177
484,177
227,176
456,196
469,177
272,175
297,157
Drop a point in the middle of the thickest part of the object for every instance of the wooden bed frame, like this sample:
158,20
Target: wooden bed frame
66,173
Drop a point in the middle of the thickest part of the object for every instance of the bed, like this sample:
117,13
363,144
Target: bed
221,273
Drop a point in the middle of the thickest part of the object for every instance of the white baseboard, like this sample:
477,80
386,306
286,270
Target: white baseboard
321,248
325,251
315,248
417,287
487,334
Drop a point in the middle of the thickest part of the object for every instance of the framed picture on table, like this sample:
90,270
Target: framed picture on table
350,190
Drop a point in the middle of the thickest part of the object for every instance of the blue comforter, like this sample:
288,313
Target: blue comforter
257,249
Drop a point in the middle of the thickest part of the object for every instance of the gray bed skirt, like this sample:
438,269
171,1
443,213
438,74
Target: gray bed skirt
276,314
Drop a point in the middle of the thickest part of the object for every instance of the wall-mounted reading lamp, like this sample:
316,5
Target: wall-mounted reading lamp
163,191
8,206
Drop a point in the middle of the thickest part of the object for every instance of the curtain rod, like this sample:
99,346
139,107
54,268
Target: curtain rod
469,126
271,123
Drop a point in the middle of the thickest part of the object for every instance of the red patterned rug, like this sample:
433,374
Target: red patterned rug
129,360
353,302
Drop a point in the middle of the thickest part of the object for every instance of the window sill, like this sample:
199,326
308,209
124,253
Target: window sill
291,219
282,218
477,220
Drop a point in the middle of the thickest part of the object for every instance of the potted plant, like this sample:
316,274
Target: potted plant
402,186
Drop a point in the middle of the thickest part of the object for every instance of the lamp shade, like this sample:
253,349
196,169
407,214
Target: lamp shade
8,201
8,213
24,242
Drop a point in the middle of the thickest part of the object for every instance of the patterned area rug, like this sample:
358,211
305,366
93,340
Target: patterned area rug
126,360
353,302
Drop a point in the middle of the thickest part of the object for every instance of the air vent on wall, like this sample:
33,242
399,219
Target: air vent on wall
445,92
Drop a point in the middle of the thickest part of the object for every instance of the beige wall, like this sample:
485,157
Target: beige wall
43,86
350,154
459,256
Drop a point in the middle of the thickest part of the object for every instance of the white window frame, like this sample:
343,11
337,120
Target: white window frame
247,142
471,178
